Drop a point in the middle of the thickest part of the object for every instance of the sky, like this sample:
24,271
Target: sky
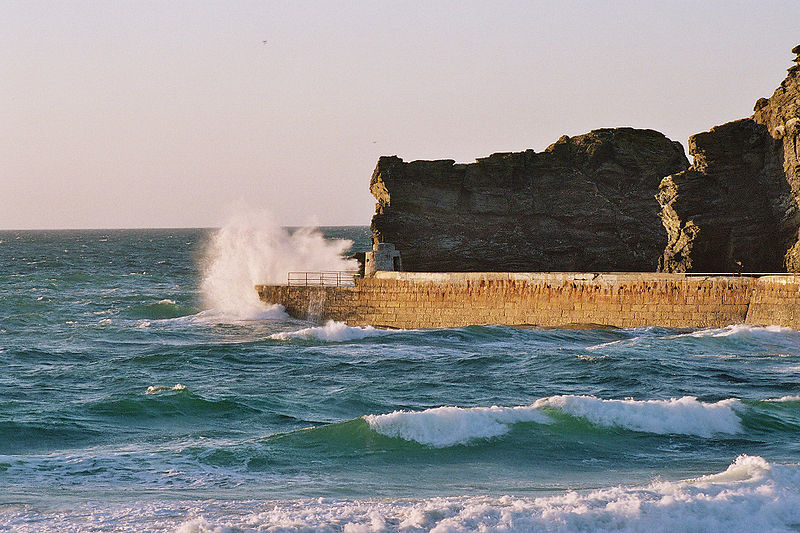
130,114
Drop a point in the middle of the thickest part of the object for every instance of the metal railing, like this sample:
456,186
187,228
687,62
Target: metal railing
337,278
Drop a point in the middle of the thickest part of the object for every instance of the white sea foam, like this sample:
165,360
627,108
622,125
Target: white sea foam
750,495
783,399
447,426
607,344
155,389
583,357
727,356
166,301
686,416
332,332
253,249
745,467
739,329
215,316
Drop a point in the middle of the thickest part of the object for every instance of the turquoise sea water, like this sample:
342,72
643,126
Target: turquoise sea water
130,401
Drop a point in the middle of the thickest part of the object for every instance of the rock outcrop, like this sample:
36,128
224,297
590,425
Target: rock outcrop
584,204
736,207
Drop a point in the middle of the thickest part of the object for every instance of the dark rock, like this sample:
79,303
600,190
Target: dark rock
584,204
737,205
361,257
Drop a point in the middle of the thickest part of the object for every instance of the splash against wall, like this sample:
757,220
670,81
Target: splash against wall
252,248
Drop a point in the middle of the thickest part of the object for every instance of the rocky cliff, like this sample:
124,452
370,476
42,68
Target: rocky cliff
584,204
736,207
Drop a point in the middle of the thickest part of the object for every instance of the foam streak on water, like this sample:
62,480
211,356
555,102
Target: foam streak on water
332,331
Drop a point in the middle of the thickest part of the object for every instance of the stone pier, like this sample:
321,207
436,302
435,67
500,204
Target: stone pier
432,300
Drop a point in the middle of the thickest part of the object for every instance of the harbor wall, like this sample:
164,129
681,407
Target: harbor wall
431,300
775,300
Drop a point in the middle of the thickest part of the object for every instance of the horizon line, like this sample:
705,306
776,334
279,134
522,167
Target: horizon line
162,228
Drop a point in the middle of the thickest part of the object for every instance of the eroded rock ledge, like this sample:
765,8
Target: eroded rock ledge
584,204
597,202
736,207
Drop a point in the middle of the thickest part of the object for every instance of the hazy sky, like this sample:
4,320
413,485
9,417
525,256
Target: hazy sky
176,114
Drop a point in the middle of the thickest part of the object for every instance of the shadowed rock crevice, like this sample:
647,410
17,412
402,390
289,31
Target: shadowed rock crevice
736,207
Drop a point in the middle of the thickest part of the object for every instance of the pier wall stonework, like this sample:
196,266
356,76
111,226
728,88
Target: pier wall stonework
775,300
430,300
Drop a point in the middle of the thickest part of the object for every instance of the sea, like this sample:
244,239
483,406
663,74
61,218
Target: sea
143,387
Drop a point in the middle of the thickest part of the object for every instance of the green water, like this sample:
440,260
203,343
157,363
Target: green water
127,403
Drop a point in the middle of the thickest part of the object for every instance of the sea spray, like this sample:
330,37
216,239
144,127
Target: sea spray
253,248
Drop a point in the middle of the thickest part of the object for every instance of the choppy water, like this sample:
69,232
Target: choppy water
128,402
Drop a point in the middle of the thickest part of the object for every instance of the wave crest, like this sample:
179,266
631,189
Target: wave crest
784,399
447,426
685,416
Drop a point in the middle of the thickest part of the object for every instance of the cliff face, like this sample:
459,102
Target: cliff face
584,204
736,207
587,203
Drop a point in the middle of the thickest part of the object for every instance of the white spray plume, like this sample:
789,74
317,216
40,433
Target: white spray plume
251,249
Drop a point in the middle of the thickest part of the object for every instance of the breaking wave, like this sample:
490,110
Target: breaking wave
785,399
686,416
752,494
449,426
